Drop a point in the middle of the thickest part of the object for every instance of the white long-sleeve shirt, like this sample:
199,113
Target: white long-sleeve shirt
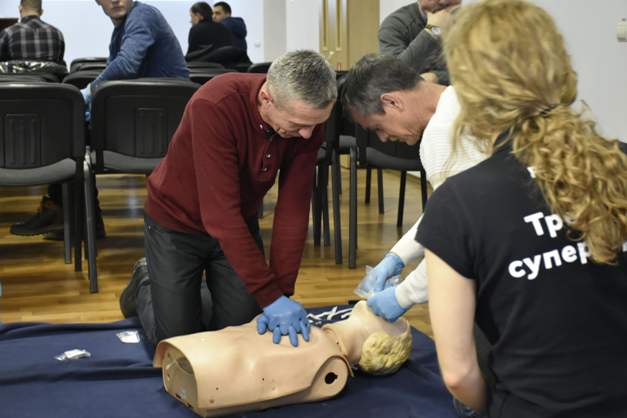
436,149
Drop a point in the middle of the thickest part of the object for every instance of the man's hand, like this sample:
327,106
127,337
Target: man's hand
284,317
441,18
385,305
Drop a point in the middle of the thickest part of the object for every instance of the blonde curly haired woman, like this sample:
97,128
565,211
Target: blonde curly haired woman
535,250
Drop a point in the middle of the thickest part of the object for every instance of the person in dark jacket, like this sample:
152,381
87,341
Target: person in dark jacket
205,35
237,26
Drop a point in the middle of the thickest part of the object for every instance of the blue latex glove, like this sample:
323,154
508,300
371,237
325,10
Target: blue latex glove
385,305
390,266
284,317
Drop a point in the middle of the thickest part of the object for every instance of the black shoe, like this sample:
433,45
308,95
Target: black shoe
128,297
49,218
58,235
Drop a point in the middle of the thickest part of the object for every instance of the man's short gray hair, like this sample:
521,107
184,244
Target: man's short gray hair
372,77
302,75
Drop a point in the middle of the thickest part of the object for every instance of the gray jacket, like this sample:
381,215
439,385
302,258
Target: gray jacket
402,35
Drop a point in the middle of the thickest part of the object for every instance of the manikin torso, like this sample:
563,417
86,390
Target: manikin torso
236,369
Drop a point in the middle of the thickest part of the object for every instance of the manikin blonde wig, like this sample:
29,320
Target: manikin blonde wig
512,73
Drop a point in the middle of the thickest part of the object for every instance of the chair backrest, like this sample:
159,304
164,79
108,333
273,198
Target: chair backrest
201,77
22,78
259,67
87,66
83,60
41,125
202,65
81,79
387,155
51,71
132,121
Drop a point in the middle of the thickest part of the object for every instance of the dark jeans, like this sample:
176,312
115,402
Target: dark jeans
172,305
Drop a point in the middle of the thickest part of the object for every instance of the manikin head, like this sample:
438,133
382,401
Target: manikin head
30,8
115,9
370,342
299,93
387,96
200,11
221,10
235,369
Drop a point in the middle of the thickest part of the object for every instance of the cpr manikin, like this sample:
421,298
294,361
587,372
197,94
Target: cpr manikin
235,369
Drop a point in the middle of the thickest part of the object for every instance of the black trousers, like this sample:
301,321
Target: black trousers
176,302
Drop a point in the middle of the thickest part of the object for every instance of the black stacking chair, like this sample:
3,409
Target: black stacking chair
90,66
259,67
75,64
201,76
81,79
132,123
202,65
42,141
328,157
22,78
371,152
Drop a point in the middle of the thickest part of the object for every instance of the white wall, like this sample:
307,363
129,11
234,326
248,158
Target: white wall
599,59
274,28
87,30
302,24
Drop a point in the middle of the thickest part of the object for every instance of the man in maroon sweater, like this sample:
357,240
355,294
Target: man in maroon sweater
237,133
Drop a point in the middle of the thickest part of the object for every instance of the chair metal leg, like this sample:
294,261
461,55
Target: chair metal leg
336,181
90,222
77,229
352,216
337,171
380,189
368,185
401,200
423,188
315,208
67,222
324,205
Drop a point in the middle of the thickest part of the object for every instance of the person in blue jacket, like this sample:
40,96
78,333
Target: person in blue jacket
237,26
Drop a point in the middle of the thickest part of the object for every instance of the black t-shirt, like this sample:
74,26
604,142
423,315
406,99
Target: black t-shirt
557,322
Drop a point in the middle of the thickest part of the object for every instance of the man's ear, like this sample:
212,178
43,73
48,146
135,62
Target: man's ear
392,101
266,98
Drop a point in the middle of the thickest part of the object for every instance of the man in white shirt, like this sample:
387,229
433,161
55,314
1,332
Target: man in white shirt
387,96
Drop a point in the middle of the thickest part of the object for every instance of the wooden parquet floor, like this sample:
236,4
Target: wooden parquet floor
36,285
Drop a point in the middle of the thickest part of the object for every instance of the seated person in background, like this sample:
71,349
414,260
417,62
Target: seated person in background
531,243
212,380
385,94
237,26
412,33
32,38
205,35
142,45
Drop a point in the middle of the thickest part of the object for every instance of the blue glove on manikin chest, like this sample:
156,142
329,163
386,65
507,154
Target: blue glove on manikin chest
385,305
284,317
390,266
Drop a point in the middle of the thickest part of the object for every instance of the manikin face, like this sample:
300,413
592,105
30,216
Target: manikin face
219,14
116,9
194,18
294,119
392,125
